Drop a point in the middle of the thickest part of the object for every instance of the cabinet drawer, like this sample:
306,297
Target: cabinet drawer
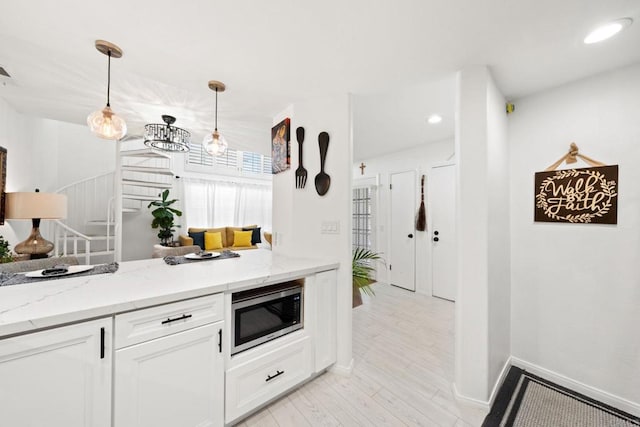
150,323
259,380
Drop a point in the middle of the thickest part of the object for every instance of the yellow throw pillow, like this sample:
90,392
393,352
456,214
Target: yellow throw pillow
212,240
241,238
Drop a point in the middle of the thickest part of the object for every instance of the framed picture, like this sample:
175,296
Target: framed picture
280,151
3,181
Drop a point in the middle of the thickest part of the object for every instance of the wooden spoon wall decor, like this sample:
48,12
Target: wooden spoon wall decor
323,181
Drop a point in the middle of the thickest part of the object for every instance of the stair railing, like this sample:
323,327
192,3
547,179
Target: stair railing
62,238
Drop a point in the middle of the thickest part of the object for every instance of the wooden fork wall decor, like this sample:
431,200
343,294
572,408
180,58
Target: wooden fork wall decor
301,172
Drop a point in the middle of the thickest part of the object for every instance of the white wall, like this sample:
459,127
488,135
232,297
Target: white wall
298,213
499,268
482,227
16,135
576,288
419,159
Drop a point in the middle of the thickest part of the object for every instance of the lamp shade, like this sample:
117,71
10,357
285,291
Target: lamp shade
23,205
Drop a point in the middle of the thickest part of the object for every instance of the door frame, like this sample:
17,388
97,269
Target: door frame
416,172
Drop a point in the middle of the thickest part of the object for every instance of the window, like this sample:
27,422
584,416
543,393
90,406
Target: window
197,156
234,161
251,162
362,218
224,203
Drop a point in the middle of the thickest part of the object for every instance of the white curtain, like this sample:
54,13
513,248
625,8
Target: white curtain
209,203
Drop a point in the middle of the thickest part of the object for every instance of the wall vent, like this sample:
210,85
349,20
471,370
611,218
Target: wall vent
3,72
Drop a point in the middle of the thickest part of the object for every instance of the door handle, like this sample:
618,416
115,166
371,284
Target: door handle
435,239
410,236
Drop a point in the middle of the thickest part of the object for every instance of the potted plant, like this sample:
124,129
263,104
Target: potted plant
163,216
5,252
362,267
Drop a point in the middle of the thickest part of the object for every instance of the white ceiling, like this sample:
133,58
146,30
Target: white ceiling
271,54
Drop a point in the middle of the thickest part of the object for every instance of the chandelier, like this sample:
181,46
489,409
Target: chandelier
214,143
166,137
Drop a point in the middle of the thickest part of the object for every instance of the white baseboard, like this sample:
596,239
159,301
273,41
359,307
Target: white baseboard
482,404
499,381
589,391
342,370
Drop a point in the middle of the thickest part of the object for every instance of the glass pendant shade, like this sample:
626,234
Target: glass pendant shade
215,144
106,124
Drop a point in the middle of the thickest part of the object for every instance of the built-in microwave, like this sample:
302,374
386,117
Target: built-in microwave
260,315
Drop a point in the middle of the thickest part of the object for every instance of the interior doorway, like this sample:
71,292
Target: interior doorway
402,247
442,188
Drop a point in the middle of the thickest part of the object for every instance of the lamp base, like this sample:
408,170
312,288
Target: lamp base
35,245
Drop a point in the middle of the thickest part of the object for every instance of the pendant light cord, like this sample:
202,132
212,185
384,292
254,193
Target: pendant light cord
108,77
216,109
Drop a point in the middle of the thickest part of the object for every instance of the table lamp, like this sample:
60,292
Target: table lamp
35,206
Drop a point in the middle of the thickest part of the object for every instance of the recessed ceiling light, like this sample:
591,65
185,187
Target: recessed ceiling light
433,119
607,31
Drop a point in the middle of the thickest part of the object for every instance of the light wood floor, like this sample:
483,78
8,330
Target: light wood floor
403,352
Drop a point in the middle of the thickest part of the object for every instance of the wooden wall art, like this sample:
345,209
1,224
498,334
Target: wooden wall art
583,195
280,150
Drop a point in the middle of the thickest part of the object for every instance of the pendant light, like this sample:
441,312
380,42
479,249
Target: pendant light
105,123
214,143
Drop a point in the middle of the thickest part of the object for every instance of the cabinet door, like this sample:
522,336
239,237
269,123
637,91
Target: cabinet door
177,380
58,377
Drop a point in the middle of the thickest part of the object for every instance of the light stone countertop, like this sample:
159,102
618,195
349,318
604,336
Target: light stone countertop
139,284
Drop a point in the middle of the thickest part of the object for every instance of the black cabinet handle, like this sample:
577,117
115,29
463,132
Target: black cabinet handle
410,236
435,233
169,320
435,239
270,377
220,340
101,343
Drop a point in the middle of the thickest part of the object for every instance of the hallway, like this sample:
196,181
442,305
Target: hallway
403,350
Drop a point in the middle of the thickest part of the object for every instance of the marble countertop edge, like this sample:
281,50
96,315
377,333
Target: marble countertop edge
140,284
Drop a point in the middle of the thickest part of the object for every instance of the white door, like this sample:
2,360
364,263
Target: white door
402,256
176,380
442,190
59,377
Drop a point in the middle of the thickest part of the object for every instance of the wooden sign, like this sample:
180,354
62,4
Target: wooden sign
585,195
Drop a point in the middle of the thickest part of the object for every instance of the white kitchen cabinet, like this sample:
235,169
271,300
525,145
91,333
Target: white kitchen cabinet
259,380
173,380
57,377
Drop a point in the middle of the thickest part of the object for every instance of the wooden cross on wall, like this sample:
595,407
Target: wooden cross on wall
362,166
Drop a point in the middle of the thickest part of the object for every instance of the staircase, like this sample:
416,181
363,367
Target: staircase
96,205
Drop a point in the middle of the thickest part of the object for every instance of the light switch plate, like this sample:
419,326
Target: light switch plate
330,227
